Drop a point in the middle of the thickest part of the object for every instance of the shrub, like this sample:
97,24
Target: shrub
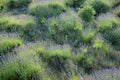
107,21
48,9
11,4
60,28
22,67
101,6
86,13
116,3
74,3
114,36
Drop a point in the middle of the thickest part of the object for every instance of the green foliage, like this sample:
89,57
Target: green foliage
2,5
106,22
40,50
88,36
116,3
117,11
59,52
74,77
63,52
74,3
11,4
46,10
94,42
98,43
114,36
13,23
46,78
86,13
63,26
81,55
101,6
16,68
8,43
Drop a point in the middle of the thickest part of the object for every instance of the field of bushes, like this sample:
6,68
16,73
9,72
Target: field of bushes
59,39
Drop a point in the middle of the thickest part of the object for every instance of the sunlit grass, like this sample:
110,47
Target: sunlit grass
15,22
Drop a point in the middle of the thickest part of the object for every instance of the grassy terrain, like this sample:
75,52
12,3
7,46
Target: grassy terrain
59,39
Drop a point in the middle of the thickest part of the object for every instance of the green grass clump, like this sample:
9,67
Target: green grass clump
58,51
16,68
87,35
15,23
101,6
53,51
117,11
106,22
47,9
40,49
63,26
7,43
86,13
81,55
74,3
98,43
66,52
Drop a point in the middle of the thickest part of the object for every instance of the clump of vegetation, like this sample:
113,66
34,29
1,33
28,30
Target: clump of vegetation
48,9
8,43
59,27
101,6
98,43
24,68
113,37
87,13
116,3
12,23
2,5
74,3
12,4
87,35
58,39
61,51
117,11
106,22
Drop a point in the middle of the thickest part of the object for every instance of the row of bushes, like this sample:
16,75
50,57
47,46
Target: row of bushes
23,65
